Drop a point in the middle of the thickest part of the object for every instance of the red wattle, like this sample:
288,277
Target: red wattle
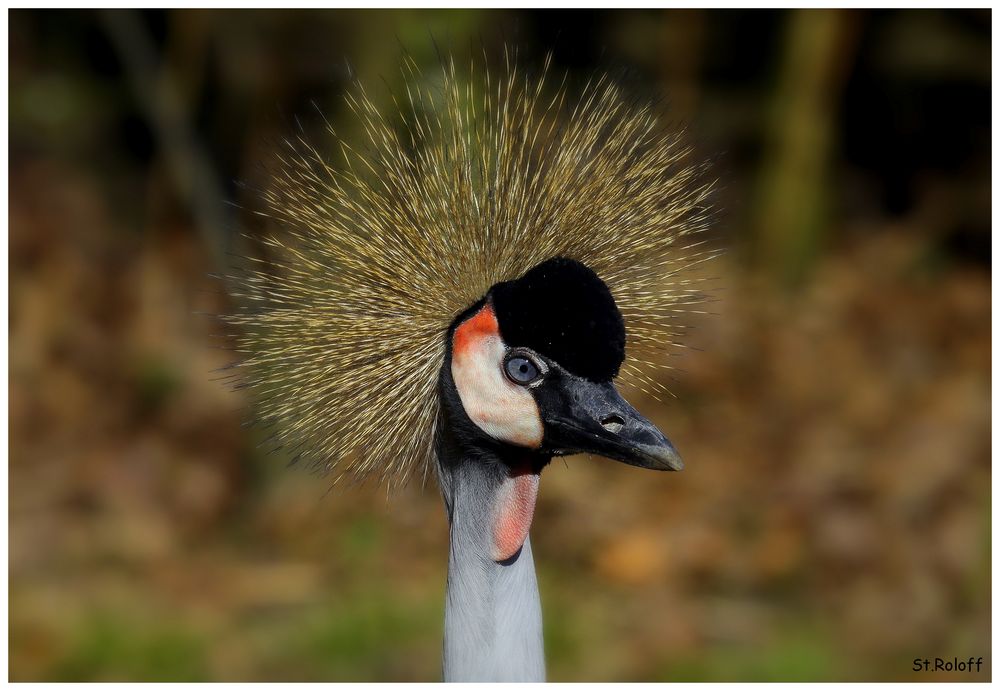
512,514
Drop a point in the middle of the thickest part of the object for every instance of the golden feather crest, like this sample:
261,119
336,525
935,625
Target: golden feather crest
343,333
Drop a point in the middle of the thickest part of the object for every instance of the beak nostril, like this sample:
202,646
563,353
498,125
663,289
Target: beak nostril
613,423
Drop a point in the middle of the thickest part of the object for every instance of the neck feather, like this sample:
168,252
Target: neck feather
493,618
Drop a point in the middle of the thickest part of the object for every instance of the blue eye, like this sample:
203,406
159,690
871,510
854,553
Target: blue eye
521,370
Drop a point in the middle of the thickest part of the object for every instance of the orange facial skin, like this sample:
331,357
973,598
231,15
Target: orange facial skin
482,324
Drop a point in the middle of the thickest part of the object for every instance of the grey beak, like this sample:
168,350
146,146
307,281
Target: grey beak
581,416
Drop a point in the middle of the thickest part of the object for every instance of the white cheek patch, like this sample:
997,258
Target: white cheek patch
505,411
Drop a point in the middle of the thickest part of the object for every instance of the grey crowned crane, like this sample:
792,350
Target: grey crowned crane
458,294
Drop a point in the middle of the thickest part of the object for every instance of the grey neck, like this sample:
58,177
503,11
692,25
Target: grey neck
493,618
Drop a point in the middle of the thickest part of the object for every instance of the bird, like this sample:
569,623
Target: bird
457,292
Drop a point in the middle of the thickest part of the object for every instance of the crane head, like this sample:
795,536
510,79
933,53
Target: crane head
532,365
497,204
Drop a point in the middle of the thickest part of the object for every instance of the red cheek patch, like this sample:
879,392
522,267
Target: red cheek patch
512,513
482,324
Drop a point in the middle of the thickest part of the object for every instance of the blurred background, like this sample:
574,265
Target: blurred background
833,521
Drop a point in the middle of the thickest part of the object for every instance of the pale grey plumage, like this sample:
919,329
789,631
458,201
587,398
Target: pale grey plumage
493,616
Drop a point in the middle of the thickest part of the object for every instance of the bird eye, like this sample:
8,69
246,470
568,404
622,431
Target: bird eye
521,370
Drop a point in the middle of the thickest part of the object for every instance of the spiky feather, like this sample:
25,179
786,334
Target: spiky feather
343,330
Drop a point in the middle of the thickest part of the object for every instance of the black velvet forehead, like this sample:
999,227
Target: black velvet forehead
564,311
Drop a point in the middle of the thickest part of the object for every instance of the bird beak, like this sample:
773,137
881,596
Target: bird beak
581,416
